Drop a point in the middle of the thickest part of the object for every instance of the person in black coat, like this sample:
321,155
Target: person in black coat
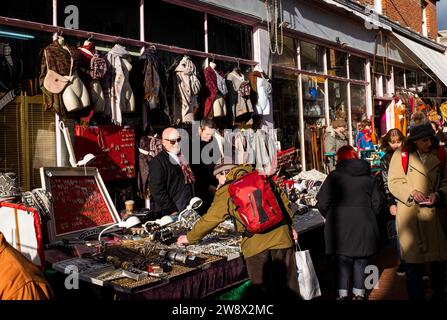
350,199
171,178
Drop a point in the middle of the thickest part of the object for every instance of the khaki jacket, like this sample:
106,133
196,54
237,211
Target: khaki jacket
278,238
19,278
420,229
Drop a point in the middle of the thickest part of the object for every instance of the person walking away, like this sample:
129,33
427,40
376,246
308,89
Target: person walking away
350,199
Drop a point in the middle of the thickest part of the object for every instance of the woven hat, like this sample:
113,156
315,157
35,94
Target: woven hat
224,165
338,123
9,186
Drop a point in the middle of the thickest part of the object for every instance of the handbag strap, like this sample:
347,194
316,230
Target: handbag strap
297,246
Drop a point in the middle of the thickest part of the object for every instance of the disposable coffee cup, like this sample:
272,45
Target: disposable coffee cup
129,205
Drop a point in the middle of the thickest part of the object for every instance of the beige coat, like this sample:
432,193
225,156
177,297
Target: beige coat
421,235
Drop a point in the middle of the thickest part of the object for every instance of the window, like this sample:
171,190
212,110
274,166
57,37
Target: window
338,100
288,58
424,18
37,11
336,63
173,25
314,120
356,68
410,77
358,106
285,110
102,17
229,38
311,57
399,81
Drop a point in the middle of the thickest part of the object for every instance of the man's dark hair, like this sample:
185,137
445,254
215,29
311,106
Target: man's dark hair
209,123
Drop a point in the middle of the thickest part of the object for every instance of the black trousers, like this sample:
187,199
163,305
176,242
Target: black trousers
415,283
350,270
273,274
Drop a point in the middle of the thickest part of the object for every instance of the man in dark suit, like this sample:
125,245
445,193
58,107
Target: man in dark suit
171,178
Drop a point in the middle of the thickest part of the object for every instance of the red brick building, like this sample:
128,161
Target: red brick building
409,13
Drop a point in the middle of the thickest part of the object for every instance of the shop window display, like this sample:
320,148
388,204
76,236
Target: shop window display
338,100
285,109
314,119
311,57
358,107
99,16
229,38
336,63
289,56
356,68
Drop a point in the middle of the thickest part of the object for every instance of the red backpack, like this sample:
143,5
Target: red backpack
440,152
256,202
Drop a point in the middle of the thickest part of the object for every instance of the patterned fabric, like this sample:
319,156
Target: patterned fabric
210,90
155,80
153,146
9,185
41,200
186,169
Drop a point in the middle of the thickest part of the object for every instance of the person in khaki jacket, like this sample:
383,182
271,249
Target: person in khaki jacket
19,278
264,253
334,138
421,209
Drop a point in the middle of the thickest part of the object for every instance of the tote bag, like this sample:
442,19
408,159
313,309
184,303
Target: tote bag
307,278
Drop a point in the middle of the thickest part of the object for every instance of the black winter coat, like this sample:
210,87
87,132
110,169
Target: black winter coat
384,167
167,185
349,199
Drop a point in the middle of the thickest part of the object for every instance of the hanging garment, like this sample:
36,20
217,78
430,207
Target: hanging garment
239,96
90,72
118,93
59,60
262,90
210,91
155,80
265,149
400,117
186,89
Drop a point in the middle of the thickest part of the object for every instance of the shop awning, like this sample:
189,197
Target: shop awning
436,61
369,18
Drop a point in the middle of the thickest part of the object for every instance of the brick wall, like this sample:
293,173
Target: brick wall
409,14
432,20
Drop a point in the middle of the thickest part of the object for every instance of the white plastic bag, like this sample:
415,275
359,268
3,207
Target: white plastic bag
307,278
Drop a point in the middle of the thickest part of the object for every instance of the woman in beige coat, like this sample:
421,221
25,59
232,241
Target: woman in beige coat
421,211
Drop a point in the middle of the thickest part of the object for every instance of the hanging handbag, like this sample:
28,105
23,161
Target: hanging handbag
53,81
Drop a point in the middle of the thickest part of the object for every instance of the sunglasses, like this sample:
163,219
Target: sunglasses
173,141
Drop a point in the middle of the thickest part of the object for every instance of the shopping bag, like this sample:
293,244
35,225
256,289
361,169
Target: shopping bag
309,286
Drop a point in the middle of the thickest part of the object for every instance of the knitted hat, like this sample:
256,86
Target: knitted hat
338,123
420,127
419,131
